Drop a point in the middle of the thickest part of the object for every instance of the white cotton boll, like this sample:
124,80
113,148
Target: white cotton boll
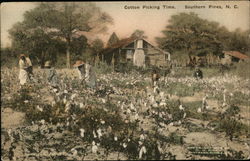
54,90
128,111
53,103
132,107
65,91
67,107
162,124
136,116
74,151
103,100
26,101
142,151
81,105
199,110
181,107
94,134
142,137
163,104
42,121
102,122
99,133
82,131
39,108
161,94
184,115
115,138
73,96
171,124
64,100
124,145
128,140
155,105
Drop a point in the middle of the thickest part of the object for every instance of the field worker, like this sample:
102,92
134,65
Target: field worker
51,74
90,75
198,73
30,69
23,73
155,77
79,65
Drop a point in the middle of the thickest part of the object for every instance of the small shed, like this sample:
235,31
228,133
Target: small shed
233,56
137,51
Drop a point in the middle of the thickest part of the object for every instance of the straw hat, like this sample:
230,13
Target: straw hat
47,64
22,55
78,63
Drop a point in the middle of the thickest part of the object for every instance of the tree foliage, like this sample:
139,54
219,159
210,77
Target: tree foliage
191,35
138,34
61,21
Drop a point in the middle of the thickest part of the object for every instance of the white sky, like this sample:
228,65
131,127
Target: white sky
152,21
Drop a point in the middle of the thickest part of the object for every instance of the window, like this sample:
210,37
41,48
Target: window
129,54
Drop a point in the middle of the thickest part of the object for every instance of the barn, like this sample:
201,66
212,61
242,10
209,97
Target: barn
137,51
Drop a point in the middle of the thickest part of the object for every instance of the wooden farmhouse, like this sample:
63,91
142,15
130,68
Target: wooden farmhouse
137,51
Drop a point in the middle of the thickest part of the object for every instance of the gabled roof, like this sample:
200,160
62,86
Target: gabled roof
236,54
119,44
125,42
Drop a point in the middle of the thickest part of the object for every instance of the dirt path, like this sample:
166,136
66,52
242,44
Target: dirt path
11,119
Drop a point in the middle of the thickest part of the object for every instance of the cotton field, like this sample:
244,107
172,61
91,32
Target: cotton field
125,117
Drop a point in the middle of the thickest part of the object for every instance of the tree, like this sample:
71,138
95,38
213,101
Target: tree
36,43
138,34
192,35
112,39
97,46
79,45
65,19
238,41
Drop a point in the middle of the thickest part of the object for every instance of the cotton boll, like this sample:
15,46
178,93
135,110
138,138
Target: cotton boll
39,108
142,151
74,151
94,148
199,110
115,138
94,134
181,107
82,131
124,145
99,133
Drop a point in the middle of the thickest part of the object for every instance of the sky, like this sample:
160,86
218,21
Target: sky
151,20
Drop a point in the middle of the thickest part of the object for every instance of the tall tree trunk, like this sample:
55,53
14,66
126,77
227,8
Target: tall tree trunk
68,53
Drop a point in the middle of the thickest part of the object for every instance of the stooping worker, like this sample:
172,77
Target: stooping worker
79,65
51,75
23,66
198,73
86,73
90,75
155,77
